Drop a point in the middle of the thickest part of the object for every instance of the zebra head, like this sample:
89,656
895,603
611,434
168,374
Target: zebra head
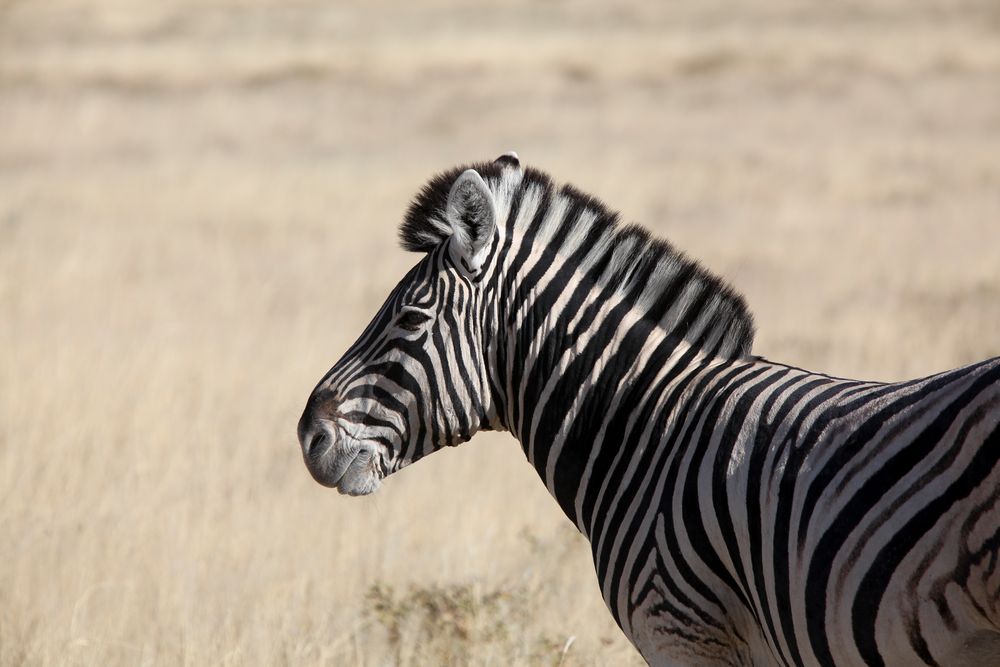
415,381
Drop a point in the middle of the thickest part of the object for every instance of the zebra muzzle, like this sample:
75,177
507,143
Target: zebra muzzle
335,461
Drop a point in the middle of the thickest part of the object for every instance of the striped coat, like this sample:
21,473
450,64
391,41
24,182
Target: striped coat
740,511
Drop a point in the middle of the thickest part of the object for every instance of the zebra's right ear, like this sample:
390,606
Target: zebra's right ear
472,215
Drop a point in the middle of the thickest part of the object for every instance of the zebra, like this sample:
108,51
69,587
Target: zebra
740,511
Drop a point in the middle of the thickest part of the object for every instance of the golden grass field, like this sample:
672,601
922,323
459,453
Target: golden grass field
198,209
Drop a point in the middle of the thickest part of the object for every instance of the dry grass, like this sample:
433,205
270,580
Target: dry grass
198,204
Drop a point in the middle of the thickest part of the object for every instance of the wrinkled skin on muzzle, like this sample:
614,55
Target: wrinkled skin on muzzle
336,451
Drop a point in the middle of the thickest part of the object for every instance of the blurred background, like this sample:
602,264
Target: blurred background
198,211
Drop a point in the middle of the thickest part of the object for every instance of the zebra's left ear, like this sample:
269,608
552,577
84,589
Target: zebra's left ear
472,215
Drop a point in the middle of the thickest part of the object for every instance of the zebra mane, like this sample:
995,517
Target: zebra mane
669,287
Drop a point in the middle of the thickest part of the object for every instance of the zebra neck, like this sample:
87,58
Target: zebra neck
588,314
574,387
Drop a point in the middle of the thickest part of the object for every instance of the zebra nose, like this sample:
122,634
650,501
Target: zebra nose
305,431
311,433
311,440
316,439
313,429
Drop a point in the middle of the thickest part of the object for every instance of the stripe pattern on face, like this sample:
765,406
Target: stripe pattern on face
412,383
740,511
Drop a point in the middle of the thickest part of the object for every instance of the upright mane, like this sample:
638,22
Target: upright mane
669,287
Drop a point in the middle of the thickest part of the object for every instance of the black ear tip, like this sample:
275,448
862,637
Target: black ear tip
509,158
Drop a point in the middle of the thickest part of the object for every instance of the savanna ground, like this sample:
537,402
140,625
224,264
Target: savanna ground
198,204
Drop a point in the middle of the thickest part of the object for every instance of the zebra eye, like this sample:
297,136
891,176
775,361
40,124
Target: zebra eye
411,320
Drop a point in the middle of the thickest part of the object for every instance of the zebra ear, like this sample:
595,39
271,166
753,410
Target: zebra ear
473,218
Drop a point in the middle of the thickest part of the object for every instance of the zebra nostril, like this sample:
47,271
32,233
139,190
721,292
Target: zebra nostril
312,445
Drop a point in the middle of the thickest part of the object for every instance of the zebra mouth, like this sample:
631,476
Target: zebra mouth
349,470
